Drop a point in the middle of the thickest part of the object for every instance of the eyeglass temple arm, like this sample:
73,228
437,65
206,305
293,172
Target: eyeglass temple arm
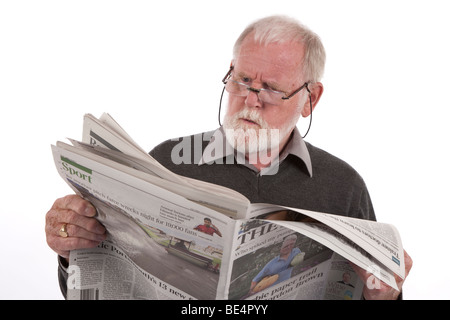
227,76
298,90
224,80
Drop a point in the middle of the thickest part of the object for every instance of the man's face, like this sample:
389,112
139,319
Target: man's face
346,278
277,67
287,247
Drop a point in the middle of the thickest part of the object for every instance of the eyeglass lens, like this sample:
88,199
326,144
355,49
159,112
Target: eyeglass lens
241,89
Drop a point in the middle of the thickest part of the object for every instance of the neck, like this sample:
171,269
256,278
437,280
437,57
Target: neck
264,159
285,256
261,160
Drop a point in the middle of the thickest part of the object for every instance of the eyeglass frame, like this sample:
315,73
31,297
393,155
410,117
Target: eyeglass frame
305,85
249,88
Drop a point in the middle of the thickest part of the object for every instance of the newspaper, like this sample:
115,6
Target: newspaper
171,237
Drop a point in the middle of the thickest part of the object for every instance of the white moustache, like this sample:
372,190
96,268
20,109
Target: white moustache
249,115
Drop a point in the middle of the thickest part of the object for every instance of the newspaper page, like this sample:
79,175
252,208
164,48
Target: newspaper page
116,144
272,262
107,272
99,133
382,240
174,242
229,203
373,246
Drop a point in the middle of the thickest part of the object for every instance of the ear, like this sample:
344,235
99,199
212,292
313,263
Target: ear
316,90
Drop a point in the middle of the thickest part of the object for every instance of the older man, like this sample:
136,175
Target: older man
272,82
279,266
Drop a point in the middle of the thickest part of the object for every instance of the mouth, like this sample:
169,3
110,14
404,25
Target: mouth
249,122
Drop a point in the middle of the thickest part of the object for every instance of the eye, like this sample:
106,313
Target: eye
246,80
271,87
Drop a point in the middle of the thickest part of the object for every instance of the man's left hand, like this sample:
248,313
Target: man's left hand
383,291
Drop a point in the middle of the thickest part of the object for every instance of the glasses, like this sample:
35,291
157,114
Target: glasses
269,96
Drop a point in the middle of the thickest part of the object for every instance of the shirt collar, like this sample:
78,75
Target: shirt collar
219,149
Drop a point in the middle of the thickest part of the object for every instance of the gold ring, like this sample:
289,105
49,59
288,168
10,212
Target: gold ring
63,231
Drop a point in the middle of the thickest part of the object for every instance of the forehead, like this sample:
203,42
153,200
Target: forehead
275,61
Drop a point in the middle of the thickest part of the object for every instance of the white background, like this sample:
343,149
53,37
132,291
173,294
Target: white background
156,66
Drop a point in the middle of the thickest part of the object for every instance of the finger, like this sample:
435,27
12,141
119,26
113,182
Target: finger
71,203
75,231
72,218
75,203
408,263
56,218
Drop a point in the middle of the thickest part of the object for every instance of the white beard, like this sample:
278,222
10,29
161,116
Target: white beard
248,140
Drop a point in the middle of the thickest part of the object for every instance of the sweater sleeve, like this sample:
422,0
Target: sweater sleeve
62,276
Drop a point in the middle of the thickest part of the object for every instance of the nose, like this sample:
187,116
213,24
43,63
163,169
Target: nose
252,100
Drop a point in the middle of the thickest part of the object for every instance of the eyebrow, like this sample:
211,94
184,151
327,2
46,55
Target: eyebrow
272,85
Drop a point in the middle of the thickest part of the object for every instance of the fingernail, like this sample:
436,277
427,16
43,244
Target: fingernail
90,211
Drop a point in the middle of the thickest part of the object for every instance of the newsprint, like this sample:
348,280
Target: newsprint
171,237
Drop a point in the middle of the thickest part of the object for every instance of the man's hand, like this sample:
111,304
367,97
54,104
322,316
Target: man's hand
84,231
383,291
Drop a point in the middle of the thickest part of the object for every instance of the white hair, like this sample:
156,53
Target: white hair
291,237
284,29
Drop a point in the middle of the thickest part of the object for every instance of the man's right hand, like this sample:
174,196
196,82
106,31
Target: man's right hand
84,231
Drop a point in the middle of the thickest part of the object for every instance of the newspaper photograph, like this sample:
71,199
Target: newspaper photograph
273,262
